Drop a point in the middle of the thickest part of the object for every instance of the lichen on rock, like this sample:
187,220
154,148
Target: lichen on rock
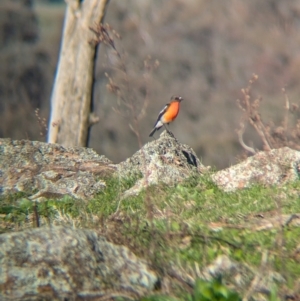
51,170
164,160
62,263
273,167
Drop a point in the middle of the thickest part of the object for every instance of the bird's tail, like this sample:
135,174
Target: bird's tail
152,132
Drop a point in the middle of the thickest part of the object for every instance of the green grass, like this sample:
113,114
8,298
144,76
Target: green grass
184,226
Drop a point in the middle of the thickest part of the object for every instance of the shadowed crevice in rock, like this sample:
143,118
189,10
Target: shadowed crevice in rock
191,159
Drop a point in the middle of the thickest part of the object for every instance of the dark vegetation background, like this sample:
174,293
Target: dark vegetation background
207,52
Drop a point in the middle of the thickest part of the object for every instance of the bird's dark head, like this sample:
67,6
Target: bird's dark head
177,98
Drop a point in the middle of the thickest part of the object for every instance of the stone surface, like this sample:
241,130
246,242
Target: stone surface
164,160
273,167
69,264
254,283
50,170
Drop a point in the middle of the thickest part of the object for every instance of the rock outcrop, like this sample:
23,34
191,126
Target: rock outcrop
69,264
273,167
45,170
51,170
164,160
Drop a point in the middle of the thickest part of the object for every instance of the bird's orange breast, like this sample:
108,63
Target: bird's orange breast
171,112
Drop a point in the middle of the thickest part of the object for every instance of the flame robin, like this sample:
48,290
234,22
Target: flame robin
167,114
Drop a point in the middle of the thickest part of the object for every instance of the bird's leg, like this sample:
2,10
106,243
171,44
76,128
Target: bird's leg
168,131
166,128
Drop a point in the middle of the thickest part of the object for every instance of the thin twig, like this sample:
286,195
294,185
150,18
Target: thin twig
240,133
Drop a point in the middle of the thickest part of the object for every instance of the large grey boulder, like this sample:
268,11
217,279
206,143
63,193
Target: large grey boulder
51,170
274,167
164,160
69,264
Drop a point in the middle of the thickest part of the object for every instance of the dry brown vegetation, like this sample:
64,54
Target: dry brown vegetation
286,133
206,51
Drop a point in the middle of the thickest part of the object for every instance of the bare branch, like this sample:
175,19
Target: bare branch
240,133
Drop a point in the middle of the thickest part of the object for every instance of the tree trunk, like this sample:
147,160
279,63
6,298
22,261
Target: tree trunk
72,91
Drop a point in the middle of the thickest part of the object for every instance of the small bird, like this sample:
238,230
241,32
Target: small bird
167,114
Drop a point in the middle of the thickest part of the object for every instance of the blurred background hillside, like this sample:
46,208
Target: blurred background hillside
207,52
